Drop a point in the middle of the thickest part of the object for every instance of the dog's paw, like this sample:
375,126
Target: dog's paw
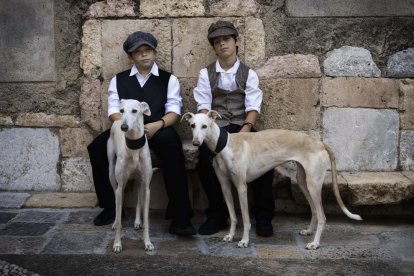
243,244
117,248
228,238
149,246
312,246
305,232
137,225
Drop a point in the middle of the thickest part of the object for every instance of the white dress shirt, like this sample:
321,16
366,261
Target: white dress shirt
227,81
174,100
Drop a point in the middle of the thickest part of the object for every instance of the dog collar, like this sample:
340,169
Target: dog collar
222,140
135,144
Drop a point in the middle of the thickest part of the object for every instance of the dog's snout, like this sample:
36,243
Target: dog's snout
124,127
196,143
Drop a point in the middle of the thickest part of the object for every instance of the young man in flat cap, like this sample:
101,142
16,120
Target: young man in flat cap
161,90
231,88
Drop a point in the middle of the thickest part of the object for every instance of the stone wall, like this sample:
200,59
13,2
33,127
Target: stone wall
343,72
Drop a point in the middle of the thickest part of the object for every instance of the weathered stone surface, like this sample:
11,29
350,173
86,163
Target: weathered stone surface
289,104
62,200
73,141
171,8
290,66
360,92
234,8
407,150
116,60
77,175
378,187
191,154
189,105
350,61
90,103
318,8
12,200
25,229
278,252
29,53
111,8
91,52
29,159
409,175
6,120
401,64
407,103
46,120
255,42
362,139
77,243
191,49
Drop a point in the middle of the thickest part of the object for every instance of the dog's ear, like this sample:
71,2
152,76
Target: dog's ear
145,109
187,116
213,114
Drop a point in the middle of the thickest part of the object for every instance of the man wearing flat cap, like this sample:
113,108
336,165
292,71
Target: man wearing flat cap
231,88
161,90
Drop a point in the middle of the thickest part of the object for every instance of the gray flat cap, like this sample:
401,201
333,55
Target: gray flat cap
221,28
138,39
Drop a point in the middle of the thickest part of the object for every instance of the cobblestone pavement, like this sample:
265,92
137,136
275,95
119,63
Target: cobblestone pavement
46,241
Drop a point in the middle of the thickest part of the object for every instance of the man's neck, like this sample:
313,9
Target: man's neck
227,63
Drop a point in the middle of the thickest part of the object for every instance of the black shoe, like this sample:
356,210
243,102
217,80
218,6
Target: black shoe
107,216
264,228
212,226
186,229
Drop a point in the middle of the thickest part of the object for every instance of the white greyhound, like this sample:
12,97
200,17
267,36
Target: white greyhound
243,157
129,158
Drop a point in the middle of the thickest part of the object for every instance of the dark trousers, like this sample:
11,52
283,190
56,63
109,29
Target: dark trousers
264,204
167,146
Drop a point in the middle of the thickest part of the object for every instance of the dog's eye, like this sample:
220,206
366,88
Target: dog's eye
192,125
204,126
134,111
122,111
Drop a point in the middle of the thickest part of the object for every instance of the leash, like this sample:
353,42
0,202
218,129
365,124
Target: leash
135,144
222,141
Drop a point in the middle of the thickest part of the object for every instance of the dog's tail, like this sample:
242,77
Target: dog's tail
335,185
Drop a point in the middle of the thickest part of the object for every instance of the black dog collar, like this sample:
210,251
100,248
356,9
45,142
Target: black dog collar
222,141
135,144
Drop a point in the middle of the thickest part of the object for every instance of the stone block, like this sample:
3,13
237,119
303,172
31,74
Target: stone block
278,252
373,188
171,8
29,159
191,49
401,64
111,8
406,106
189,105
115,32
234,8
338,8
76,175
350,61
62,200
29,53
360,92
289,104
290,66
77,243
362,139
25,229
6,120
21,245
254,35
407,150
73,142
90,103
12,200
91,52
46,120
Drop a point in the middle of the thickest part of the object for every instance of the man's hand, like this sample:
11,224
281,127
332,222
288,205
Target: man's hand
151,128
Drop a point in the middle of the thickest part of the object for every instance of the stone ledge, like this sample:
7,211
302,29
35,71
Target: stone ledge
61,200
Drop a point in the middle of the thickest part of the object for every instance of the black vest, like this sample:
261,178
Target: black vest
154,92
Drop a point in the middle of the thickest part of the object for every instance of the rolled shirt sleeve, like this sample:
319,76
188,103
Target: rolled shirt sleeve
202,92
254,96
113,98
174,99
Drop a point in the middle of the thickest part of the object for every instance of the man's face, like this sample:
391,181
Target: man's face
143,57
225,46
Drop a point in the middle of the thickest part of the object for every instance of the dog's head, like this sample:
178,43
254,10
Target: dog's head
132,112
200,124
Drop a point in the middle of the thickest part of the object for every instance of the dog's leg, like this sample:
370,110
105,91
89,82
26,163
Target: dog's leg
148,245
301,178
118,216
242,192
140,196
315,189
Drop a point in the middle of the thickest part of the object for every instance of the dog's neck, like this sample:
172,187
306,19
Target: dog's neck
216,139
135,139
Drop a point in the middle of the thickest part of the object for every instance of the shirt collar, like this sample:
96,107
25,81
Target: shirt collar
232,70
154,70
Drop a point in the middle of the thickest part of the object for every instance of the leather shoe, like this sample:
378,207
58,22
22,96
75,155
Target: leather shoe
107,216
212,226
264,228
182,230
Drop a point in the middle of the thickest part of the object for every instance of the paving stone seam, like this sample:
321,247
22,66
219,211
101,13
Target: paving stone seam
54,230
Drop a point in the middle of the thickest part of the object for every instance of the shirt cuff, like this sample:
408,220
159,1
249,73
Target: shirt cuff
113,110
203,106
174,109
252,108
